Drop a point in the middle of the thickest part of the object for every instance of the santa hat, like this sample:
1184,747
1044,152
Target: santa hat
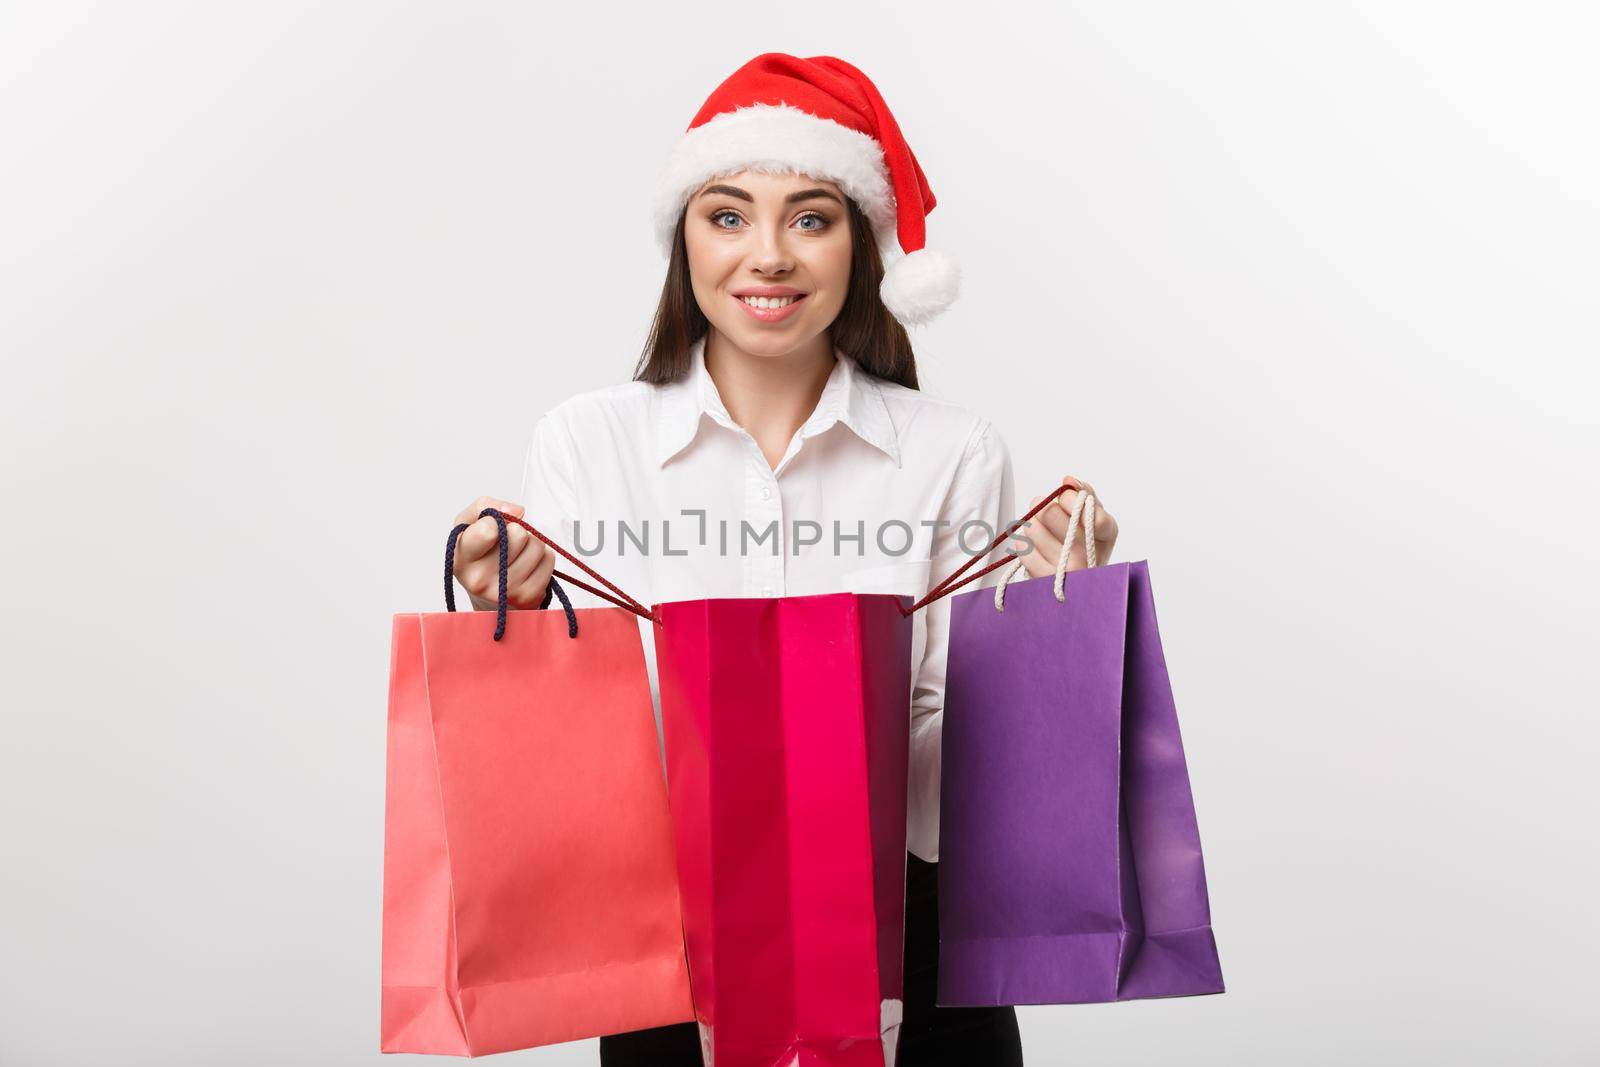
819,116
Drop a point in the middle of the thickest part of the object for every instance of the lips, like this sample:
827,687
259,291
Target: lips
775,314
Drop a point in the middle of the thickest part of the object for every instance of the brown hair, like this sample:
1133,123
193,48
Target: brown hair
864,330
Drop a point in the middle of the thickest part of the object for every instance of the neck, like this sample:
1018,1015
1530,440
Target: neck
770,396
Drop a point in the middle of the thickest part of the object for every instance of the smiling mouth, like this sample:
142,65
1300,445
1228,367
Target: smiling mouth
771,309
769,302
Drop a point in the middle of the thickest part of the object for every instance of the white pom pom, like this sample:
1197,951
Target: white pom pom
919,285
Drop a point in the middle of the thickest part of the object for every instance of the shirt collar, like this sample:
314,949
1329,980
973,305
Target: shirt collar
851,396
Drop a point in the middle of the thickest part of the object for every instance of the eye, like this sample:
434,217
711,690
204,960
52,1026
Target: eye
724,213
821,220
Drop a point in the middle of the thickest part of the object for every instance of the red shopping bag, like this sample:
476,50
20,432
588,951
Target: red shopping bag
787,728
529,889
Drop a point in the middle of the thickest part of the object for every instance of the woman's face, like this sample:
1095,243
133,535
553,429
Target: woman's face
781,237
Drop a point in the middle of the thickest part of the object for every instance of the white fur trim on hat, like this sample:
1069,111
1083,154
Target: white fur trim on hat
776,139
919,285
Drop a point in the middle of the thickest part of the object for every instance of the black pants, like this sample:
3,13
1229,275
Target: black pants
929,1036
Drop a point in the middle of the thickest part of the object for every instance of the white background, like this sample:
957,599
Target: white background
1306,290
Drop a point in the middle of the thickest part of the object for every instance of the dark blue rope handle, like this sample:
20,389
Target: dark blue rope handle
554,586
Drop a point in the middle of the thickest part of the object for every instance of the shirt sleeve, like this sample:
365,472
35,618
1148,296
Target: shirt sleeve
549,496
982,494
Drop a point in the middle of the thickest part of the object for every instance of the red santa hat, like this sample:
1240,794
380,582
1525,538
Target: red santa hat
819,116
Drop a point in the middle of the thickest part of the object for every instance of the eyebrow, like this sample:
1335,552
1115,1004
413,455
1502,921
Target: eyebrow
792,198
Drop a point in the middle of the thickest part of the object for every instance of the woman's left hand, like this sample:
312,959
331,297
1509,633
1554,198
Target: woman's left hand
1047,529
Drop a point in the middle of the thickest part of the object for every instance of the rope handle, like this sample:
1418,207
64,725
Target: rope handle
1082,511
950,585
616,596
502,596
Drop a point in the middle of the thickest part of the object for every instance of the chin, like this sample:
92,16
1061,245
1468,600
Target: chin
773,342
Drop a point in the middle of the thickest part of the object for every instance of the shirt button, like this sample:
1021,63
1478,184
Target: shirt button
766,494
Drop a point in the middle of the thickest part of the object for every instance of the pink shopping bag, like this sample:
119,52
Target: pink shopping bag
787,730
529,894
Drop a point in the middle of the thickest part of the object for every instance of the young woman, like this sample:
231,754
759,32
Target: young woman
773,441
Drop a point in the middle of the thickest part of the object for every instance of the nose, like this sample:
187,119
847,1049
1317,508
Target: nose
772,255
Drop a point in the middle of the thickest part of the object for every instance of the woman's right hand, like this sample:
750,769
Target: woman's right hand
529,561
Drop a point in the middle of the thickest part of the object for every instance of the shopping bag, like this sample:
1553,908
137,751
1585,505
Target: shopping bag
786,723
529,889
1070,866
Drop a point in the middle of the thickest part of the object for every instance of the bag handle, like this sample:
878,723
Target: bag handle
950,585
1082,509
616,596
501,597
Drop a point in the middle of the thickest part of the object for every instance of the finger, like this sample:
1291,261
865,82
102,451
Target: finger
471,512
1050,517
477,560
531,553
517,542
476,542
1064,496
1105,527
530,589
1046,550
1069,500
1066,499
523,554
482,579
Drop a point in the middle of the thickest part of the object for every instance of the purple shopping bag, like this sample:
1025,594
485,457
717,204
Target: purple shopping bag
1069,867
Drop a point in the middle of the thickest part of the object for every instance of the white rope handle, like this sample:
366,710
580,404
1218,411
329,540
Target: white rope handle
1082,510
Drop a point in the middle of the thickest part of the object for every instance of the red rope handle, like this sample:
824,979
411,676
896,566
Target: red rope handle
625,600
946,587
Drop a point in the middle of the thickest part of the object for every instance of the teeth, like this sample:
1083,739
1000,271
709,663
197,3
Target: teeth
769,301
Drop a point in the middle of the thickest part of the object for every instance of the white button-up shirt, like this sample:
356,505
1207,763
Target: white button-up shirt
659,490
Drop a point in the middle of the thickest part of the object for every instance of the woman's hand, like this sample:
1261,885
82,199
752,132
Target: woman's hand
529,561
1047,529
